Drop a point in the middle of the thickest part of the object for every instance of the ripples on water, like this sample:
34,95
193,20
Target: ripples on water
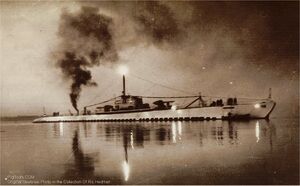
208,152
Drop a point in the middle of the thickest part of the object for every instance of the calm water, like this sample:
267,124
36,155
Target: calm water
208,152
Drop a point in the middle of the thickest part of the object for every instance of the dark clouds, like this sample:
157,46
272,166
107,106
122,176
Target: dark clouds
264,29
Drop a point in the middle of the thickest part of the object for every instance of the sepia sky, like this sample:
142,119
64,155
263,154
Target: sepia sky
216,48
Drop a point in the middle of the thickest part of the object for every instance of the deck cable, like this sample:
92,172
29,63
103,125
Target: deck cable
192,95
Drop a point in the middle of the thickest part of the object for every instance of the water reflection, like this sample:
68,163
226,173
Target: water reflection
232,133
109,130
127,138
272,129
217,133
83,165
208,152
126,170
163,134
179,129
172,132
131,139
138,136
85,129
61,129
257,131
58,129
266,131
169,132
176,131
55,130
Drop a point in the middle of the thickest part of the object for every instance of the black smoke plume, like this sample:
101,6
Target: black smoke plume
76,70
86,41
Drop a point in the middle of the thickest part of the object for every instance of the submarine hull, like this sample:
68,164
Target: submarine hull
228,112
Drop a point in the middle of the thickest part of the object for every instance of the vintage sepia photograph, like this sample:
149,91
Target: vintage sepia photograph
149,92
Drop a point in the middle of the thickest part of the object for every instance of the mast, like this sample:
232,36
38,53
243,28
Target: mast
123,70
124,90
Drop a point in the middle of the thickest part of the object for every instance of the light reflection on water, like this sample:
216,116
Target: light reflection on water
208,152
61,128
257,131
